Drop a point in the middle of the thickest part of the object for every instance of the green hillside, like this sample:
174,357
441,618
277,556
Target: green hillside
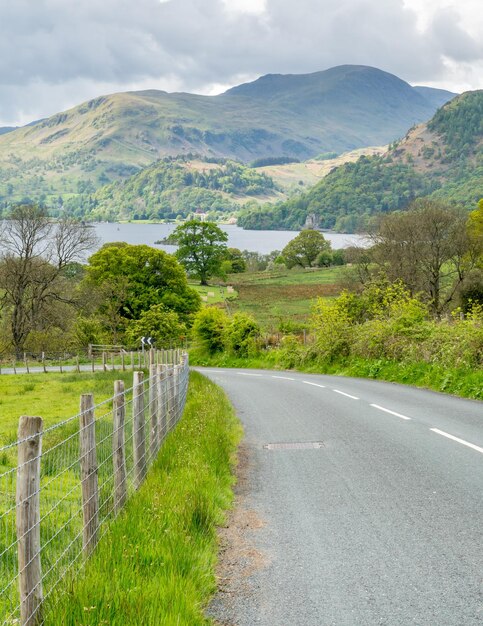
443,158
176,187
112,137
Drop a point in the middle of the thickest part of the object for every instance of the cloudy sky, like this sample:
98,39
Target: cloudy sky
57,53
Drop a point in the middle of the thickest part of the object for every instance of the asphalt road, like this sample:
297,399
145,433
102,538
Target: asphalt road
381,524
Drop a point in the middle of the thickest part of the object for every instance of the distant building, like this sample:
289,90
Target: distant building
199,214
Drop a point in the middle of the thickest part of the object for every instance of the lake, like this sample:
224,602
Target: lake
262,241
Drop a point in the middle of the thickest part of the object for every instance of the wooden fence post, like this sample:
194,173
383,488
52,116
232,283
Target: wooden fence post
177,387
153,410
139,440
169,398
123,364
104,364
89,479
118,453
28,520
43,362
132,361
77,363
161,404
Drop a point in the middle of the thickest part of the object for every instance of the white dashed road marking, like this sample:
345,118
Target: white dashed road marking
283,377
247,374
314,384
381,408
343,393
465,443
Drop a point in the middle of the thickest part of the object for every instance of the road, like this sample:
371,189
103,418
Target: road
380,522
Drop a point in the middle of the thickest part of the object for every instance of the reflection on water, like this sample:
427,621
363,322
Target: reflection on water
262,241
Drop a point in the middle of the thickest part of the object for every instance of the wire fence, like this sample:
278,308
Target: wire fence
60,487
96,358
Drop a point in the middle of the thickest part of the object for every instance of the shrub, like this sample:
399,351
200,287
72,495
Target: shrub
160,323
209,329
242,334
332,327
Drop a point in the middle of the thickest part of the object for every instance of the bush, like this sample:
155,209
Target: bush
209,329
158,322
332,328
242,334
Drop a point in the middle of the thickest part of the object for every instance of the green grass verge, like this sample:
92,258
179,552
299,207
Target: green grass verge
156,563
462,382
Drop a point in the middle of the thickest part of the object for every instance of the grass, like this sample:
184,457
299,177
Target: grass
214,294
54,397
156,563
272,297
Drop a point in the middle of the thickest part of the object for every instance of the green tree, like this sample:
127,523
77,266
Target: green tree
305,248
237,262
158,322
201,248
129,280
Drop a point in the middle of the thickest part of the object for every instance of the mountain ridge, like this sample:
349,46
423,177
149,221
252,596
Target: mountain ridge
442,158
111,137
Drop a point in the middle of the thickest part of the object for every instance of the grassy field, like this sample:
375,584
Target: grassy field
54,397
276,296
214,294
156,564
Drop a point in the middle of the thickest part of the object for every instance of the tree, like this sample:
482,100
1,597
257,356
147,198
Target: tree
237,262
201,248
34,267
129,280
163,325
305,248
428,247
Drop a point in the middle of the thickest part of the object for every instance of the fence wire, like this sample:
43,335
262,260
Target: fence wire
151,409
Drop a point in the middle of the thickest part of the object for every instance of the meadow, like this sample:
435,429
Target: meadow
273,297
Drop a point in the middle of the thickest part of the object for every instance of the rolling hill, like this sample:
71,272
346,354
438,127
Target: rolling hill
112,137
442,158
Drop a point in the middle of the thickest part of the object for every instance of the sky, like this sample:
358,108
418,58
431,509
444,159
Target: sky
55,54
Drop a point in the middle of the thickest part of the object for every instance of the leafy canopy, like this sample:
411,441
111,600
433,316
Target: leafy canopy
161,324
305,249
201,248
140,277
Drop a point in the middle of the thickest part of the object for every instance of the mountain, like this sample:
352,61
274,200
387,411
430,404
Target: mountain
437,97
7,129
442,158
112,137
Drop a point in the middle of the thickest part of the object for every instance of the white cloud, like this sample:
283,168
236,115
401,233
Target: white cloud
254,7
56,53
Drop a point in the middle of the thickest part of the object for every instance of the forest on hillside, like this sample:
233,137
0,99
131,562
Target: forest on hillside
352,195
173,188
